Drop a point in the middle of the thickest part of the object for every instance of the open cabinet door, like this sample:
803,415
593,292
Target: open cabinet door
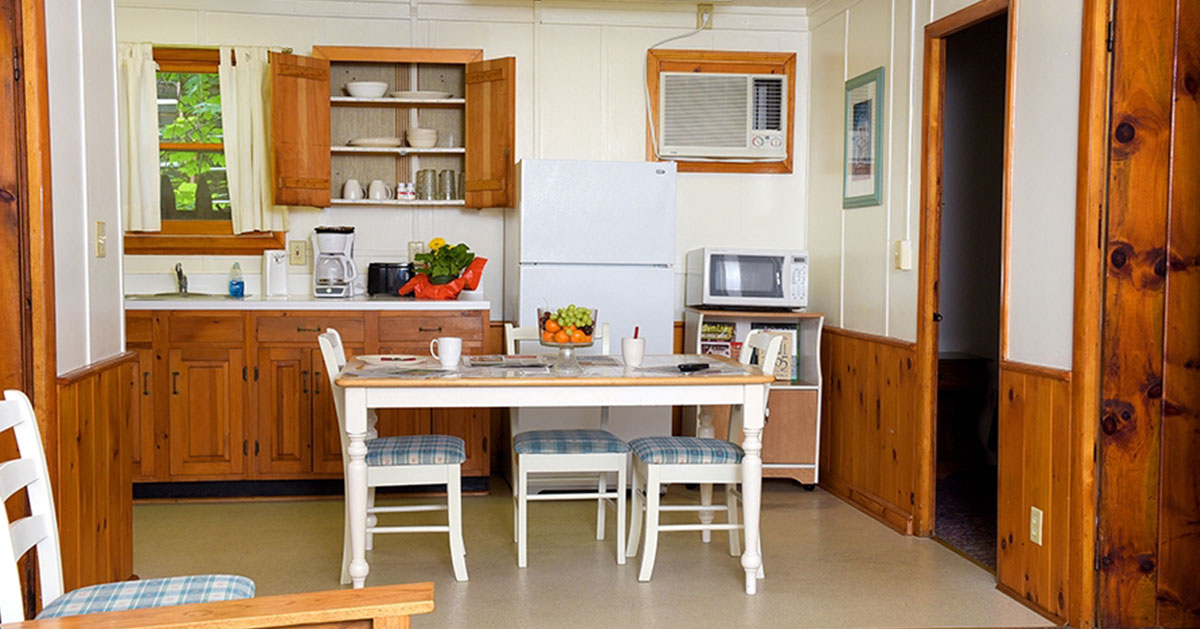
491,130
300,129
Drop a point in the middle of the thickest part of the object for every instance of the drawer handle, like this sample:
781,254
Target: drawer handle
146,383
424,329
174,383
301,328
316,383
304,380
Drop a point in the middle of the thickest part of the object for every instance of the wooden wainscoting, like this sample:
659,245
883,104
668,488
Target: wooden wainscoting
93,483
1035,459
868,424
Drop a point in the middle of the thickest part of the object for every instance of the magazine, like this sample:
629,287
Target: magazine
787,365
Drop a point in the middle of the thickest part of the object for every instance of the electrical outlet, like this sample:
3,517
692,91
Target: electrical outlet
297,252
415,247
1035,525
101,239
703,11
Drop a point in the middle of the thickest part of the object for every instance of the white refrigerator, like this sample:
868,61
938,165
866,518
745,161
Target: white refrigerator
599,234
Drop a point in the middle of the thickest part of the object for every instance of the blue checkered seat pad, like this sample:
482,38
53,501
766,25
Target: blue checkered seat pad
568,442
115,597
416,450
685,450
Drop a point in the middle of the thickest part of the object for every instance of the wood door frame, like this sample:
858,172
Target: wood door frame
932,158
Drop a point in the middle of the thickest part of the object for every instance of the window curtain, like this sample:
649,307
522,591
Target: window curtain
137,110
245,108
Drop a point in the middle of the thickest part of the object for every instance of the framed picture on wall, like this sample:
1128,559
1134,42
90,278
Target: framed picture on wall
862,181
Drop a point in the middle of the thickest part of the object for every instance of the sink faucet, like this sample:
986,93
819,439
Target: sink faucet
181,278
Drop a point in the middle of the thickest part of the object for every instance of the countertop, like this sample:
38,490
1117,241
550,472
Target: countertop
301,302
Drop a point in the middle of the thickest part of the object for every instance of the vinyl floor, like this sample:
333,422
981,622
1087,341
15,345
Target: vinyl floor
827,565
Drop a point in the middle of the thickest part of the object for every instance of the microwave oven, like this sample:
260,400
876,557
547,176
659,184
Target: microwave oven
747,278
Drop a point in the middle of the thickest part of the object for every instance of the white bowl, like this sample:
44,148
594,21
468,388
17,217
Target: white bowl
366,89
422,138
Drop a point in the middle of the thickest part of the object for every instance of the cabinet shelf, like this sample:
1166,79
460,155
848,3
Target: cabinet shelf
394,202
410,103
396,150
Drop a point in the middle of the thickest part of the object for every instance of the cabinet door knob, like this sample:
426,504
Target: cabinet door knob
304,380
146,383
316,383
425,329
301,328
174,383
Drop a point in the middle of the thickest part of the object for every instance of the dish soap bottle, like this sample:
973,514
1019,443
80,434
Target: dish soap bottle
237,285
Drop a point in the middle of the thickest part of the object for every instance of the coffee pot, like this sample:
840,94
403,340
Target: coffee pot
333,269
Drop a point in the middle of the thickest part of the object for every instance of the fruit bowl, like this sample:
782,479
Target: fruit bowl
566,329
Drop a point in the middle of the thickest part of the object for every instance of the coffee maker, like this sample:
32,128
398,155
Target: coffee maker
333,266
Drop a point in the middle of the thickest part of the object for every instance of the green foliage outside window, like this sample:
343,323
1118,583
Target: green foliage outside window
189,112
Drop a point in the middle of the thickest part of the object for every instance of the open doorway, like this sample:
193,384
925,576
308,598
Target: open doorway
969,299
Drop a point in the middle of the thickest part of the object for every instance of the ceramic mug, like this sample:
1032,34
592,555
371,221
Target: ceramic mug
447,349
379,191
352,190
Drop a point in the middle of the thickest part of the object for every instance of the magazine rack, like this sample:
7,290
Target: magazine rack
791,440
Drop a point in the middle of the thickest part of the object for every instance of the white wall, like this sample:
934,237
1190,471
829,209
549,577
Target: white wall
580,71
853,279
83,143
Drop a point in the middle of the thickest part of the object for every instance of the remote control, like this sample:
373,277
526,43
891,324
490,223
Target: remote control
690,367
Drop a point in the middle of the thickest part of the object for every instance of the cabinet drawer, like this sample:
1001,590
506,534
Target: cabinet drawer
418,328
304,329
211,328
139,327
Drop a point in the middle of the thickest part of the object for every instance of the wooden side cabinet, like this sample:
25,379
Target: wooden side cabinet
207,414
791,437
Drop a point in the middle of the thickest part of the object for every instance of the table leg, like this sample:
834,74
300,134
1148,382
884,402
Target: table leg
706,431
356,482
752,409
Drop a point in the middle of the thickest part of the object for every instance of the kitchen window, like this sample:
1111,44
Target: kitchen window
194,189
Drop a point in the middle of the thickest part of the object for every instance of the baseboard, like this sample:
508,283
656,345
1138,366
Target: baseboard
887,513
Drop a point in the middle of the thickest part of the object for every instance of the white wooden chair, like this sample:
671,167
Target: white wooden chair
40,529
659,461
572,451
401,461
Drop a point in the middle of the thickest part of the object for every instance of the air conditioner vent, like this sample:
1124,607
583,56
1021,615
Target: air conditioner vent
704,110
768,104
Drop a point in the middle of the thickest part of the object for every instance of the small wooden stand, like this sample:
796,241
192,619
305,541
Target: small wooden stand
791,439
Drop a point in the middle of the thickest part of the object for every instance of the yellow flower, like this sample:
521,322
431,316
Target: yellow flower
437,243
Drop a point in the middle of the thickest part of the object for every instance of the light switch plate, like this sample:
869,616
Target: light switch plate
101,239
1035,525
903,255
297,252
415,247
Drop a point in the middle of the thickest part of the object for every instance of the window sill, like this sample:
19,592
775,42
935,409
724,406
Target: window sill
202,238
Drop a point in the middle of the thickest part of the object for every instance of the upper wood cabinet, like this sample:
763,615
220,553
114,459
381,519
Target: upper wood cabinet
300,129
324,136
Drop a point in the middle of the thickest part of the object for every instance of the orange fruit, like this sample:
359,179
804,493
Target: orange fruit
551,326
548,336
570,329
562,337
587,338
578,337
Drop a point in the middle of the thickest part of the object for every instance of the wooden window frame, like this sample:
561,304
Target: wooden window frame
191,237
728,62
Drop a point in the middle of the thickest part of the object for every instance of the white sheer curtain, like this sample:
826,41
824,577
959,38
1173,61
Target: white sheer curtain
137,102
245,112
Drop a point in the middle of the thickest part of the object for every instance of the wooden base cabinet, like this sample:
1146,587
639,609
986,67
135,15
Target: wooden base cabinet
244,395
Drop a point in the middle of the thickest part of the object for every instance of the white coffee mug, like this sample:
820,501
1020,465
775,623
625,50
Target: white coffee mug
632,351
447,349
352,190
379,191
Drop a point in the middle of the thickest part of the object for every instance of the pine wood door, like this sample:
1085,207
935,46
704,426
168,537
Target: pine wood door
300,129
205,390
491,88
283,443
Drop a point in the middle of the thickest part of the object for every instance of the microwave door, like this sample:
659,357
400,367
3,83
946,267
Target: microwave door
747,279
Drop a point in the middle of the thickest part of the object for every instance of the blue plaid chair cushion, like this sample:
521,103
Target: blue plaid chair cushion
115,597
660,450
418,450
568,442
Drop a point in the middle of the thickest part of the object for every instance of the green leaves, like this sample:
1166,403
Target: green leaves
444,264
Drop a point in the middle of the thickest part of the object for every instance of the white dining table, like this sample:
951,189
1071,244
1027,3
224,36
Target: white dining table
501,382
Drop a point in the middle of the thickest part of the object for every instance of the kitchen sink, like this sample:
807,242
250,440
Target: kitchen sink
175,295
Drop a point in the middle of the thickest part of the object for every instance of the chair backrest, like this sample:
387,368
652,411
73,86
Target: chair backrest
513,335
335,358
40,527
761,349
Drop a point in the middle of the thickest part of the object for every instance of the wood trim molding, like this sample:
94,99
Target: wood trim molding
203,244
1063,375
87,371
966,18
874,338
398,55
717,61
1089,301
874,506
1010,73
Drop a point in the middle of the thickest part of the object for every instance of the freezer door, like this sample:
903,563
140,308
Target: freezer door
597,212
625,296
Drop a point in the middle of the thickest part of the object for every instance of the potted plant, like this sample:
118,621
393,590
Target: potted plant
444,271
